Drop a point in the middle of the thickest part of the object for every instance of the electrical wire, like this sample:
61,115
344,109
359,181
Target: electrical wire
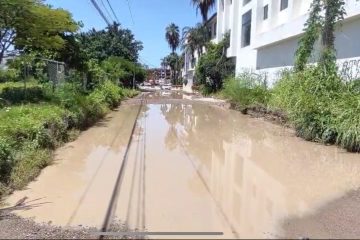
107,11
100,12
131,15
112,10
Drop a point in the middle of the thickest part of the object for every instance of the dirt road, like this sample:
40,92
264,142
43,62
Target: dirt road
189,169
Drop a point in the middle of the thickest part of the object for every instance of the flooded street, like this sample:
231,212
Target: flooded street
190,167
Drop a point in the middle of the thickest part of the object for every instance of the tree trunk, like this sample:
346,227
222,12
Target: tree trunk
328,37
2,55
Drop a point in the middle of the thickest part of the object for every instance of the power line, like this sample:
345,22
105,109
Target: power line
100,12
107,11
112,10
107,21
131,15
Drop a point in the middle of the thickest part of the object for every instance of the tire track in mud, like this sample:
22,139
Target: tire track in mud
115,195
82,198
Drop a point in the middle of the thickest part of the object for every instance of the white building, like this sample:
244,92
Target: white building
188,72
264,34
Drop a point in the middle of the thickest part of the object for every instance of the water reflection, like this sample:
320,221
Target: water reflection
259,173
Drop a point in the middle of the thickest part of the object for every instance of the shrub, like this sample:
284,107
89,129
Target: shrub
321,106
214,67
246,90
30,132
6,161
28,164
347,121
130,93
9,75
16,95
29,122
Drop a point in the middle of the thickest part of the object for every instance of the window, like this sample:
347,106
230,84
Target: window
246,29
246,2
266,12
284,4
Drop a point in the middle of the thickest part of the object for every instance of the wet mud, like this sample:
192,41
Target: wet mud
195,167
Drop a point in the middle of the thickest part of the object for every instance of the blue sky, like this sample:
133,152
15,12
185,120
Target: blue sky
150,20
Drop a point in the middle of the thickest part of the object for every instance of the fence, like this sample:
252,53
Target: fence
46,69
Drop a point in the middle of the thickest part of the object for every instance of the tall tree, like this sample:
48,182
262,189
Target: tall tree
195,39
174,62
113,41
28,24
204,6
172,36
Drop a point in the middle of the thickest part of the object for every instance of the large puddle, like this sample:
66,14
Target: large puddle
191,168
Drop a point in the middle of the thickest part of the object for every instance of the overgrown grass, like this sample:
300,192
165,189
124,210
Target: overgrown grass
30,132
319,104
246,90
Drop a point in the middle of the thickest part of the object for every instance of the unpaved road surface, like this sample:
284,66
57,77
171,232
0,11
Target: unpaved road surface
193,169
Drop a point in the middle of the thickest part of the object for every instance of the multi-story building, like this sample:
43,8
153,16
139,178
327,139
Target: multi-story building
158,75
264,34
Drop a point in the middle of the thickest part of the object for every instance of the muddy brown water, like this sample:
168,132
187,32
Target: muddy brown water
191,168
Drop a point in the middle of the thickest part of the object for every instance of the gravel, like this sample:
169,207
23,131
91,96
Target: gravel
15,227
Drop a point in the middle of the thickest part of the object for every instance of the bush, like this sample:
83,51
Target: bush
16,95
9,75
214,67
6,161
28,164
246,90
321,106
347,121
30,132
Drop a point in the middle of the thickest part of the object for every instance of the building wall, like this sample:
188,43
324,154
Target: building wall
275,40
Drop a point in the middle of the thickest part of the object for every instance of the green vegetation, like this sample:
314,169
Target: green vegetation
173,60
319,104
31,24
204,6
38,115
30,132
213,67
246,90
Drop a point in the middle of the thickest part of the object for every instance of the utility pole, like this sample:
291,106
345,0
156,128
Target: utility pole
134,80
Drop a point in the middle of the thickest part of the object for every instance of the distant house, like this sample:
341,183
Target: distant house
158,75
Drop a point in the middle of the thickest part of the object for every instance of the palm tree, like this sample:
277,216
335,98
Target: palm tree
173,36
195,38
204,6
173,61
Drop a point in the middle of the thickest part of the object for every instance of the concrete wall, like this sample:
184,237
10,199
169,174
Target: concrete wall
273,58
